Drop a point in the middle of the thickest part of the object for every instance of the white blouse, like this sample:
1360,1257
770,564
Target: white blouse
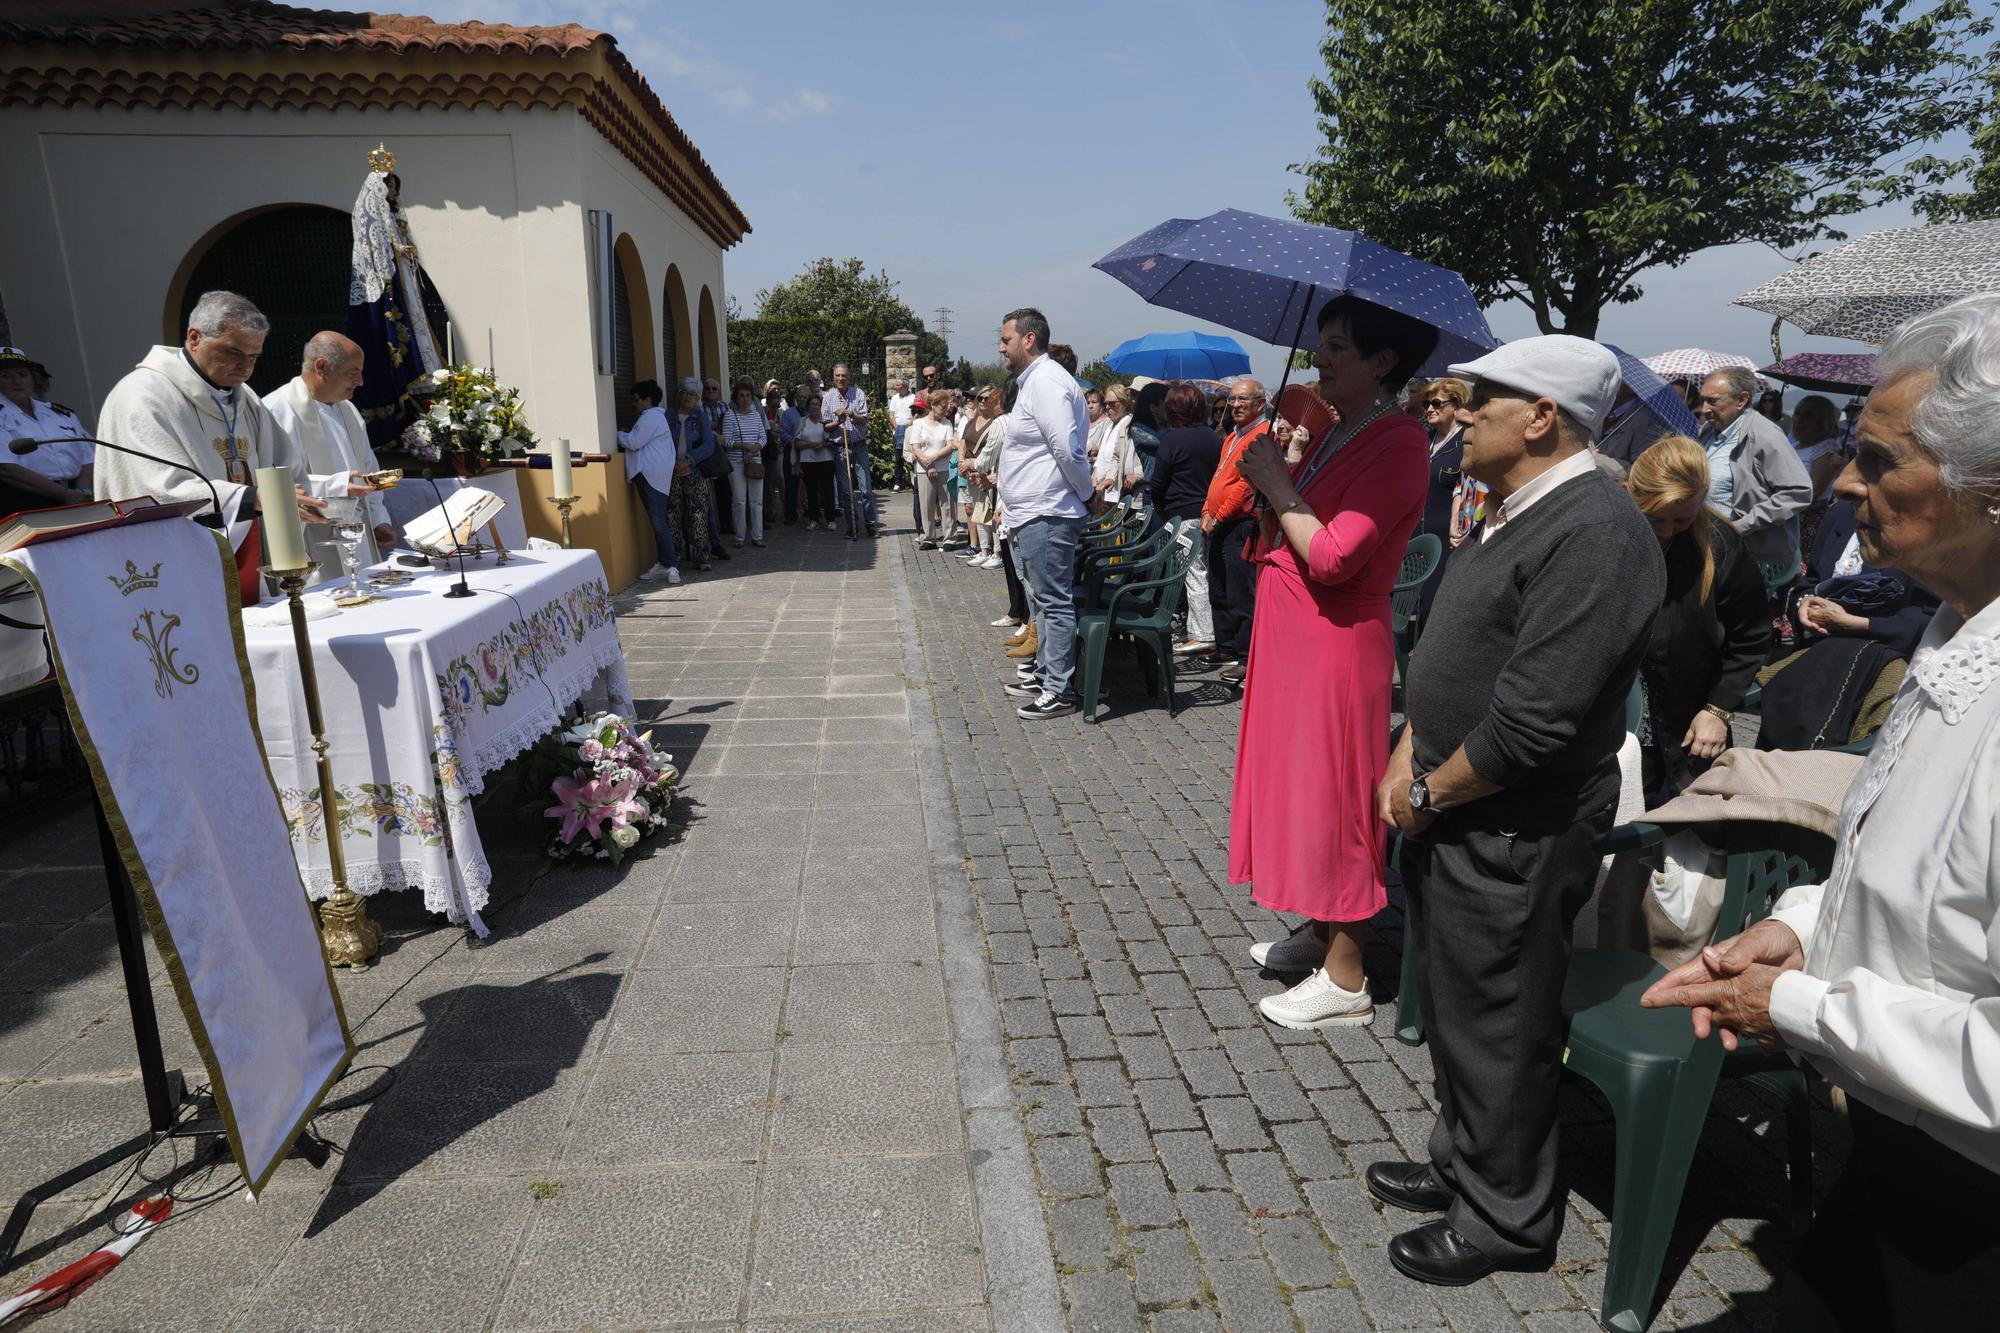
1899,999
925,435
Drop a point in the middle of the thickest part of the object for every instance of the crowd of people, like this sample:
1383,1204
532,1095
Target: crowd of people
1587,604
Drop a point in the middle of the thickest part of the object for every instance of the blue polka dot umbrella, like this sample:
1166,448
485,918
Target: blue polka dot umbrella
1269,277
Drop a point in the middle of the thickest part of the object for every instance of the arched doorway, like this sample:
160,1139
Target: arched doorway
294,262
711,344
676,332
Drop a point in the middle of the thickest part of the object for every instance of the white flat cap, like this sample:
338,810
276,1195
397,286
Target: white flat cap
1580,375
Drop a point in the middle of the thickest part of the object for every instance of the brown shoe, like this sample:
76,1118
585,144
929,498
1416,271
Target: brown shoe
1020,635
1026,647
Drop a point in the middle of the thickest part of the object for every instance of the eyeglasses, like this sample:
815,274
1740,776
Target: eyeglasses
1439,402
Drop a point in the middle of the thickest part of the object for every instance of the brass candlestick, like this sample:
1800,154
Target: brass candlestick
564,503
351,939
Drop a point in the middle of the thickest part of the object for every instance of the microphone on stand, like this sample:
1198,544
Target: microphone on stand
26,446
460,589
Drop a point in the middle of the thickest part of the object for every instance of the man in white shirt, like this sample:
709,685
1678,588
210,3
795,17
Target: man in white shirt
899,421
843,410
317,410
1044,477
56,470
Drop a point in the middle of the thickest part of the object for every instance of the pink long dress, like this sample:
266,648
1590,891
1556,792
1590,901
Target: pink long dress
1315,735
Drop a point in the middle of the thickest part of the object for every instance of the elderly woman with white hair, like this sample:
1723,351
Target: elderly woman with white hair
1887,976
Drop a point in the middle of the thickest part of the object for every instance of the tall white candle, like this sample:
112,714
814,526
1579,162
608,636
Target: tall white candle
284,535
559,464
450,356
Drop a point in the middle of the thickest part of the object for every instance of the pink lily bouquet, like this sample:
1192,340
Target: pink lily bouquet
610,787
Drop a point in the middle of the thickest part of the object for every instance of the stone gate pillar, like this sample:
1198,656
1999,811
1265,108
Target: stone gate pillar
899,358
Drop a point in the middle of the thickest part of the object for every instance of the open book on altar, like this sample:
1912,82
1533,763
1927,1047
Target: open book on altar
450,525
41,525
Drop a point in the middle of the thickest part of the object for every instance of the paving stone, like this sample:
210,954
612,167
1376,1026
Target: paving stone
1101,1083
1147,1057
1528,1292
1164,1270
867,1002
1385,1087
1186,1321
1233,1123
1053,1110
1068,1166
1348,1116
1167,1104
1191,1161
1086,1037
1309,1151
856,1234
1129,1015
642,1110
1038,1060
1263,1183
1216,1221
1101,1303
1249,1298
1120,1134
1348,1213
1391,1300
1251,1051
1277,1097
1081,1229
852,1100
1209,1073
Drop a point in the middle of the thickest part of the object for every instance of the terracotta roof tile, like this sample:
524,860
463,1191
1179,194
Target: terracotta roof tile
122,54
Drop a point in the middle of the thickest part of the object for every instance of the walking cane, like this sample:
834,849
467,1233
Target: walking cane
853,496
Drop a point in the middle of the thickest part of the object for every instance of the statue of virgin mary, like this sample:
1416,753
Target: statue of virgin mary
385,306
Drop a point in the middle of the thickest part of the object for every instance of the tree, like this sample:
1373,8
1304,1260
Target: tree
1552,151
1982,200
832,311
1101,375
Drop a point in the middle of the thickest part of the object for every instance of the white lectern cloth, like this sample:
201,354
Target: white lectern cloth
142,623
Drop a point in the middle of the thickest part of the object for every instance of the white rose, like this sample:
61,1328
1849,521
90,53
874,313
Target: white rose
625,838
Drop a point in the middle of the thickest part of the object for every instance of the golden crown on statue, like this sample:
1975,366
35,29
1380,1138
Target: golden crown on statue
381,160
136,578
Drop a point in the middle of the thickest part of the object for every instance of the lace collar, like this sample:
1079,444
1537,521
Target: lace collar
1954,671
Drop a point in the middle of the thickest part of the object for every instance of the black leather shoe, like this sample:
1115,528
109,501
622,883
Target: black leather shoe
1410,1185
1437,1254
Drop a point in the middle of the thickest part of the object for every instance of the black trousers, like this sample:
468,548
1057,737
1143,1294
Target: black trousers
1232,588
1908,1239
1492,912
1017,593
818,486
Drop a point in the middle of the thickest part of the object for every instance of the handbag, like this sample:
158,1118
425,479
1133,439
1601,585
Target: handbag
753,467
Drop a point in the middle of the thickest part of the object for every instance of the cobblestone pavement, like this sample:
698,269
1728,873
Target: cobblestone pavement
1199,1167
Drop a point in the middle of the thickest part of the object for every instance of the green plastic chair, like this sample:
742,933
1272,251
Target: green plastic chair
1660,1081
1420,560
1103,571
1143,610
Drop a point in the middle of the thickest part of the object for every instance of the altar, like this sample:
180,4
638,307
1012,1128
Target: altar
425,697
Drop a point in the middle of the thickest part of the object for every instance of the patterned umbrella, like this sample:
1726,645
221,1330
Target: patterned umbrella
1662,399
1269,277
1865,288
1692,363
1829,372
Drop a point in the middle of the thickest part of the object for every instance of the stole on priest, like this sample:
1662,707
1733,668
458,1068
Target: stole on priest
192,404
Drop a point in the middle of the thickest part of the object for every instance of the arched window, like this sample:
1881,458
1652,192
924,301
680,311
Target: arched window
711,345
624,370
676,334
294,263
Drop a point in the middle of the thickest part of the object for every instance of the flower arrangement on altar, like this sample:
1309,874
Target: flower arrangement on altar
611,788
465,411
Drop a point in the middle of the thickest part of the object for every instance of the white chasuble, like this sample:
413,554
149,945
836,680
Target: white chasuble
165,407
331,441
143,627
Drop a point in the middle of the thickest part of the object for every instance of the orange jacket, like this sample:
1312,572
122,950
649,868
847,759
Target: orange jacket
1229,496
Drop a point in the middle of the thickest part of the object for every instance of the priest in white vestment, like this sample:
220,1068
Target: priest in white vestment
191,406
317,411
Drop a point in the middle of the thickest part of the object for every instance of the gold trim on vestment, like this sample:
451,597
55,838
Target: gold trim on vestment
149,902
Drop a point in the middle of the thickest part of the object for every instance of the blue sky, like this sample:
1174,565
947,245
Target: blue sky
1085,123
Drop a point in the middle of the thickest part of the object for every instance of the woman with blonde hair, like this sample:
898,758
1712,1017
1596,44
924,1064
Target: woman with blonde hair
1710,636
1116,471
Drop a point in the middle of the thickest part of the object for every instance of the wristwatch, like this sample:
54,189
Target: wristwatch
1420,797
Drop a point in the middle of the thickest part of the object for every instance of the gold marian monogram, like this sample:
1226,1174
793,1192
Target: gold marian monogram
157,638
135,578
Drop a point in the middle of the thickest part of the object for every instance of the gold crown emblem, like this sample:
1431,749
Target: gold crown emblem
136,578
381,160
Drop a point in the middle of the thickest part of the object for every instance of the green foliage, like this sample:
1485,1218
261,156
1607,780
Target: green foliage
881,448
831,312
1551,151
1100,375
970,373
1981,200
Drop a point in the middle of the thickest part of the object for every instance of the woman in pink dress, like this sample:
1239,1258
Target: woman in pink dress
1315,735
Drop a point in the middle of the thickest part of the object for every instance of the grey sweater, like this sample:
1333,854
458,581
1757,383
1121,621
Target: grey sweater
1530,652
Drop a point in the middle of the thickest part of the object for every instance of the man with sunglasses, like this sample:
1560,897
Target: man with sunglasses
1227,519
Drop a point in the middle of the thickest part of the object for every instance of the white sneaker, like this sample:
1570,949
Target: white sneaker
1317,1002
673,578
655,574
990,562
1005,622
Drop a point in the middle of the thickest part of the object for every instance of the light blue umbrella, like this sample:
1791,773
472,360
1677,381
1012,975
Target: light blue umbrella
1180,356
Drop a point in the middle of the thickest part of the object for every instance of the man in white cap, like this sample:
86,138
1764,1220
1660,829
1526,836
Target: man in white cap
1506,780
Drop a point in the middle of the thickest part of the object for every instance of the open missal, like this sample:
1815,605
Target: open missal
450,525
40,525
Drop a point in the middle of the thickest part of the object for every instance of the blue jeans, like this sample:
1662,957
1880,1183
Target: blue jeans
857,464
1046,551
663,532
